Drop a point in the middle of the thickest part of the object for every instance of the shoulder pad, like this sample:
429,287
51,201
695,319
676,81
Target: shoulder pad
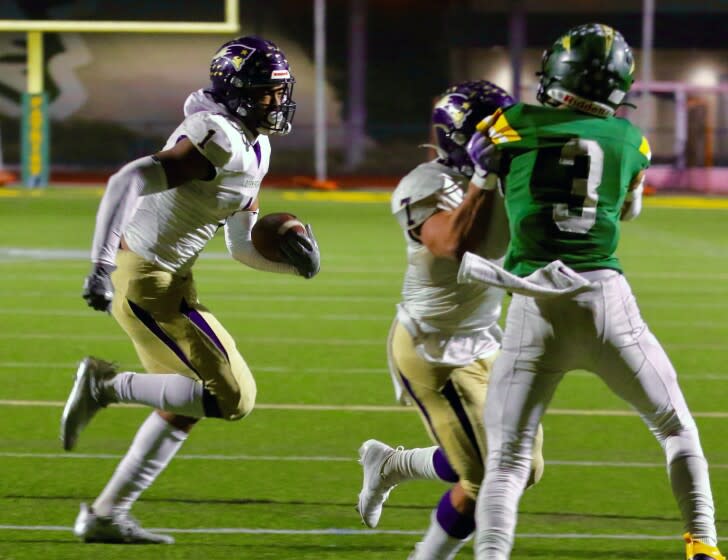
413,201
213,135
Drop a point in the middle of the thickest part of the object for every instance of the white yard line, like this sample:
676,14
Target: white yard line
298,340
321,459
89,314
227,297
246,339
71,366
355,532
367,408
266,369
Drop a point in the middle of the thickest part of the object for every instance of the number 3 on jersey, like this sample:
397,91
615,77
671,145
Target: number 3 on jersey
584,184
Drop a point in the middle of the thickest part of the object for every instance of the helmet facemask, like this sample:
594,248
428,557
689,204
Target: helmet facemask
267,118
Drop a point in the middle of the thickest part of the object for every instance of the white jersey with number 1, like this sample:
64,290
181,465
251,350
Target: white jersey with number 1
172,227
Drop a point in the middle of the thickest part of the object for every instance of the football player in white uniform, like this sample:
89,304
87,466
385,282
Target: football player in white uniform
445,336
157,214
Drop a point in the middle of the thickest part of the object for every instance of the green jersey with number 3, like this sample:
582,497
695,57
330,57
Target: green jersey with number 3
568,177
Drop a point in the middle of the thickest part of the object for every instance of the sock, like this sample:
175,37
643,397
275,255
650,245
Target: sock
688,471
443,468
448,532
166,391
411,464
153,447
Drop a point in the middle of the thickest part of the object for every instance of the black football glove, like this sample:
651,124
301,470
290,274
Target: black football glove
302,251
97,288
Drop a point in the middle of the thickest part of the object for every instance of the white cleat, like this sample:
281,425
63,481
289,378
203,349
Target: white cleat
120,528
376,487
85,399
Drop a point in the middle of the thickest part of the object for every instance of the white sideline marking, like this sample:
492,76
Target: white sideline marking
320,459
354,532
368,408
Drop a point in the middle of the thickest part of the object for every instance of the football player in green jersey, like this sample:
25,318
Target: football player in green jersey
570,171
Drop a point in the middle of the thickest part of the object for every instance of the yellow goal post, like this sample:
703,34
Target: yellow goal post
35,130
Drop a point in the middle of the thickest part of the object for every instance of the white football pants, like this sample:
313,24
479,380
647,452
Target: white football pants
600,330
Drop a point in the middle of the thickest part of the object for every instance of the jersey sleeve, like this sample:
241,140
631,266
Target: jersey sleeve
415,198
645,150
210,135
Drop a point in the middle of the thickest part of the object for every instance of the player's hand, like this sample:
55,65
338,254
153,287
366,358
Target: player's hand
97,288
486,160
302,251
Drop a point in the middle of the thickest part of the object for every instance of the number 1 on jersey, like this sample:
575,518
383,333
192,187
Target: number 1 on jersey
210,134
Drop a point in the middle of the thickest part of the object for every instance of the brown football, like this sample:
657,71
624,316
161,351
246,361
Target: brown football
269,230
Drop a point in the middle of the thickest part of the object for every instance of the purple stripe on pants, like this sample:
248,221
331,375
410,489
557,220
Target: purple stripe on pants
452,397
199,321
407,386
153,326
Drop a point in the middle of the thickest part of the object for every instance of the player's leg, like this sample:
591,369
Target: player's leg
519,391
636,367
170,336
383,466
450,402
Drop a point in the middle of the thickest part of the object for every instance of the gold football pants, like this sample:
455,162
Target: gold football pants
173,333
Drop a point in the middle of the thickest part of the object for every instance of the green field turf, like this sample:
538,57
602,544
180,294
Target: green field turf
282,484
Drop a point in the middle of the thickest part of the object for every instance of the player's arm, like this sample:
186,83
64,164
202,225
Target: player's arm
193,157
301,252
451,233
238,238
147,175
633,201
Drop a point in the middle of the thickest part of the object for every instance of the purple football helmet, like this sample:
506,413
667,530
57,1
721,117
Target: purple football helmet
456,114
241,70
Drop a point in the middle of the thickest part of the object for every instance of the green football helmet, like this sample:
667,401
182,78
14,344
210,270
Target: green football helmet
588,69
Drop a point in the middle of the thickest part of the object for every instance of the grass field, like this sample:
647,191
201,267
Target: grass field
283,483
